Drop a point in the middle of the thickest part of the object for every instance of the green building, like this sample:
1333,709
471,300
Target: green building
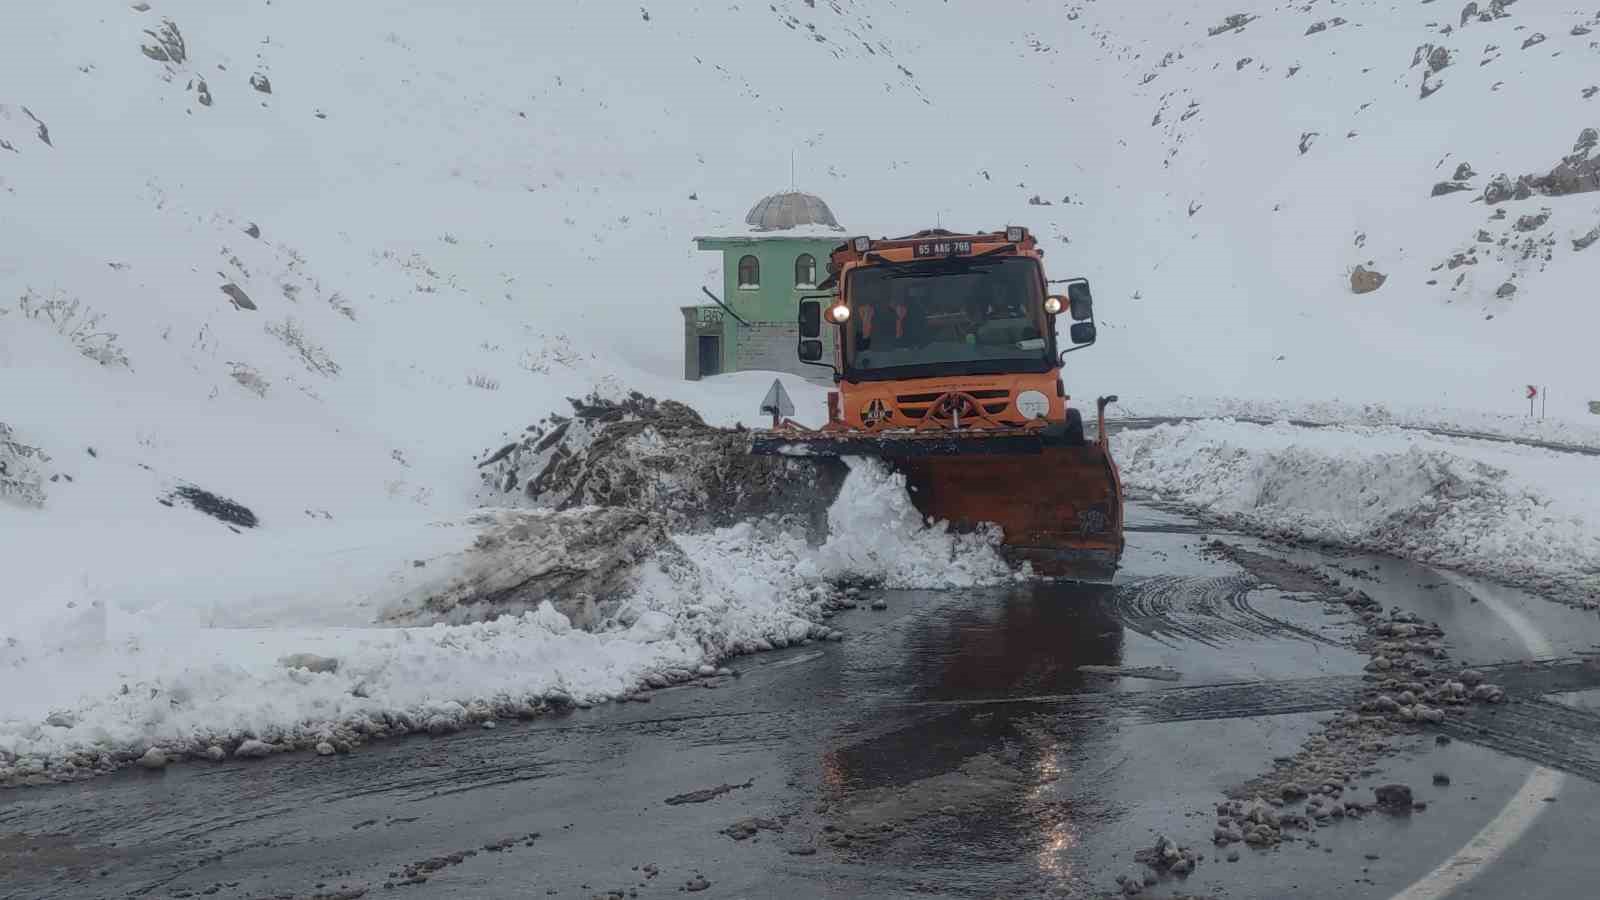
766,268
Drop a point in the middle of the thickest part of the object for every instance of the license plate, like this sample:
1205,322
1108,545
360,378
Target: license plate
943,248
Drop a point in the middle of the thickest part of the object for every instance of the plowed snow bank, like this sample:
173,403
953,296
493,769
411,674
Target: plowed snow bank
97,675
1501,510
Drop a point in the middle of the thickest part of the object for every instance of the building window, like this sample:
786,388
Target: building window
749,273
805,271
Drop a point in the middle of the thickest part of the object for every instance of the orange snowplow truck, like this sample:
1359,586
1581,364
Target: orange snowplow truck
946,364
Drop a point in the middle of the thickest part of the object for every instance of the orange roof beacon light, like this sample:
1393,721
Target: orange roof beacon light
947,366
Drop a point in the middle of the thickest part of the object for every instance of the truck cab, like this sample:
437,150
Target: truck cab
969,317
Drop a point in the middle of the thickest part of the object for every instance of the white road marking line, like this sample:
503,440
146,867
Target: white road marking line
1495,838
1524,807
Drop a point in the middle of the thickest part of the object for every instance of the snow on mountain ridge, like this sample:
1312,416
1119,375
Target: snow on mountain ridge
344,247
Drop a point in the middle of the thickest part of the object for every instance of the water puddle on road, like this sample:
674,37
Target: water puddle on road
1045,728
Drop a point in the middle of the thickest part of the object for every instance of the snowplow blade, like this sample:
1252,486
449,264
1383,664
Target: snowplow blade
1059,506
1060,510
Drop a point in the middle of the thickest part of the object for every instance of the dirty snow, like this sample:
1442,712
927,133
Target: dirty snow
1503,510
199,659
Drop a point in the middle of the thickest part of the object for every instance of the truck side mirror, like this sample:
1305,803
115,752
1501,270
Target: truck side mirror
1082,333
811,350
811,323
1080,301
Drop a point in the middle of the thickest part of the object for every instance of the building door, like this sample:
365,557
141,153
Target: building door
710,355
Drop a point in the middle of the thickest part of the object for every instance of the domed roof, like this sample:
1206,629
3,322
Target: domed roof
792,209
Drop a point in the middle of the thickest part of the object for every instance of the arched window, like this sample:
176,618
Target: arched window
749,273
805,271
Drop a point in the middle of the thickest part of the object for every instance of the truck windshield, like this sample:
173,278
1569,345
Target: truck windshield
946,317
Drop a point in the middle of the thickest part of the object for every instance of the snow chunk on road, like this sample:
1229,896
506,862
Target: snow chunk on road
1497,509
875,532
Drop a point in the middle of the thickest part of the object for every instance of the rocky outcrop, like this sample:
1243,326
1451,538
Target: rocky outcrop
20,478
1532,222
1577,173
1235,22
166,44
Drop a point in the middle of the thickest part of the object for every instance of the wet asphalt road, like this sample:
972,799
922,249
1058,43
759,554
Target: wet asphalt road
952,746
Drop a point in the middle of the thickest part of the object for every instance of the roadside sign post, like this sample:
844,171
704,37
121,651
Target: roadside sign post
777,403
1532,393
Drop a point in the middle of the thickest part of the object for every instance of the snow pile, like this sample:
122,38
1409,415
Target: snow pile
875,533
661,457
217,661
1457,422
1502,510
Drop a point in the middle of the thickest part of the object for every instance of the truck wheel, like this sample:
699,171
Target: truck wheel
1074,434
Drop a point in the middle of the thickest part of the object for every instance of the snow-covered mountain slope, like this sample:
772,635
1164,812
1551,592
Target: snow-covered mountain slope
318,259
451,201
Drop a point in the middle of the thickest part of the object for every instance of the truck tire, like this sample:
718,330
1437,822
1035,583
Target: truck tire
1074,435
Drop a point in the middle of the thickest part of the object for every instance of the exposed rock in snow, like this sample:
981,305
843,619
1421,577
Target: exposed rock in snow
215,753
154,758
311,662
1235,22
1365,281
20,477
1531,222
238,297
325,749
166,44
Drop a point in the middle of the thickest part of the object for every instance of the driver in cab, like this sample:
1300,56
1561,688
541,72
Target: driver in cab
902,324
